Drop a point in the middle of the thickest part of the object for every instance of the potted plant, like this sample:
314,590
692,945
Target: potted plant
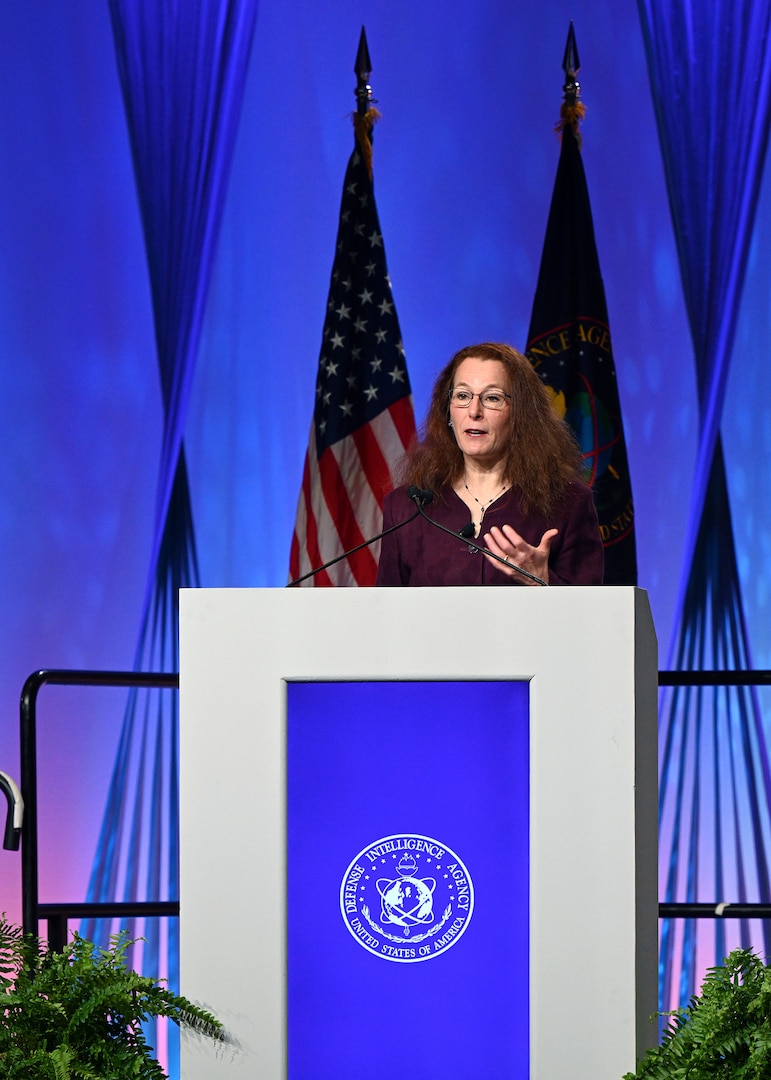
77,1014
724,1032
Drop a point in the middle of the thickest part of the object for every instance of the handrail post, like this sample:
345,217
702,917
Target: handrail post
28,773
28,754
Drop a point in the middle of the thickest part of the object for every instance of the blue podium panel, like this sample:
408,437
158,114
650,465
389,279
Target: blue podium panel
407,880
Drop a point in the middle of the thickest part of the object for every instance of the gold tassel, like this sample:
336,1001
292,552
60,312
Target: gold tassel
571,115
362,126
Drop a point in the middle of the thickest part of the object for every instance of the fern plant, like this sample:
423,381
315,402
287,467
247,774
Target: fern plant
77,1014
724,1032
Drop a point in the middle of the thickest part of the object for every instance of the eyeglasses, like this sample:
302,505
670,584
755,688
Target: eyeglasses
491,399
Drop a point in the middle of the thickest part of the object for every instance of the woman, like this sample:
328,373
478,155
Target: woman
496,457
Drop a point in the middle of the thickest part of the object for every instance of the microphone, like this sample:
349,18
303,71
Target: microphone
422,498
386,532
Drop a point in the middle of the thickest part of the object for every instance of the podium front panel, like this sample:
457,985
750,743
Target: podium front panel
407,878
418,831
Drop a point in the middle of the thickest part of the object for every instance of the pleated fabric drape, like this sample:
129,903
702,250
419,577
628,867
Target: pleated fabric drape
182,67
710,74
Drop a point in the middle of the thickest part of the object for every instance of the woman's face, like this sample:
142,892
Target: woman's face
481,433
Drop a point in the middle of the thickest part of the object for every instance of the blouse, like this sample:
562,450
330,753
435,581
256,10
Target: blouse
419,554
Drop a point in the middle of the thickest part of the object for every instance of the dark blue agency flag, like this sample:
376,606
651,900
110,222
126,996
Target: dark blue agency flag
569,345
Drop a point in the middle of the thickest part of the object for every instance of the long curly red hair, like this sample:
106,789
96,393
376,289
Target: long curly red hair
542,457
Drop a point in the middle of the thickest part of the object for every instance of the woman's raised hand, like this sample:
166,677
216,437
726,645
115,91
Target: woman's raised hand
509,545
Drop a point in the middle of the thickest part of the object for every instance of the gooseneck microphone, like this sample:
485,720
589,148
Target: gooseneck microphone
366,543
423,498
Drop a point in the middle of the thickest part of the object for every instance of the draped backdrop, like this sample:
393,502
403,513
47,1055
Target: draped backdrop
182,66
710,69
169,200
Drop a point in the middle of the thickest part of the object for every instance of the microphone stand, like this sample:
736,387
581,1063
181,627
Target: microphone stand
366,543
420,498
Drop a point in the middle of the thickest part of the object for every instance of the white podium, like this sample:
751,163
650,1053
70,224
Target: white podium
327,738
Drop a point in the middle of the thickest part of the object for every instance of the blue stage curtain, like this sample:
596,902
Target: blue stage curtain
182,67
710,71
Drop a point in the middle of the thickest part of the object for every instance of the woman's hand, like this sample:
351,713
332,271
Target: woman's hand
509,545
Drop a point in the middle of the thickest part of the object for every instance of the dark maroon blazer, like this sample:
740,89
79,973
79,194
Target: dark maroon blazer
419,554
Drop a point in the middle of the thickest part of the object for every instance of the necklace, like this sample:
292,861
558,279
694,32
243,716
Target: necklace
484,506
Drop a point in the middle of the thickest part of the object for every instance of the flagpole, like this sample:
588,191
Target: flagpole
362,70
573,109
363,419
569,340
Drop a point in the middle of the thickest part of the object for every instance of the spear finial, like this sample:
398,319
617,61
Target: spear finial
366,114
573,109
362,69
570,65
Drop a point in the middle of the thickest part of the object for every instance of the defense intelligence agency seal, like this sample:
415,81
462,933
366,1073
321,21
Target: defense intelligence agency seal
406,898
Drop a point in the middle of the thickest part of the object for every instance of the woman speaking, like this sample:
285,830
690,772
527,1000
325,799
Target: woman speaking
504,468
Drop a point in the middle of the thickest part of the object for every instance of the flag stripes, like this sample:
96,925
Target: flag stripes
353,476
363,419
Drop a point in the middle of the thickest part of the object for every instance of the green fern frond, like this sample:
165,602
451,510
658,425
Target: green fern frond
76,1013
724,1032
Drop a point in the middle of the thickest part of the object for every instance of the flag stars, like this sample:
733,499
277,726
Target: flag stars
370,374
361,369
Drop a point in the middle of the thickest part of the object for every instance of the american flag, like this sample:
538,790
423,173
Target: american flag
363,420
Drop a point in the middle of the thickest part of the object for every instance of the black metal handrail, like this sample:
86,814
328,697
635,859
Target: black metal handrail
714,911
31,910
723,910
760,677
58,914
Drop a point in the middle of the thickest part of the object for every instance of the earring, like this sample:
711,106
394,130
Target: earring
449,423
